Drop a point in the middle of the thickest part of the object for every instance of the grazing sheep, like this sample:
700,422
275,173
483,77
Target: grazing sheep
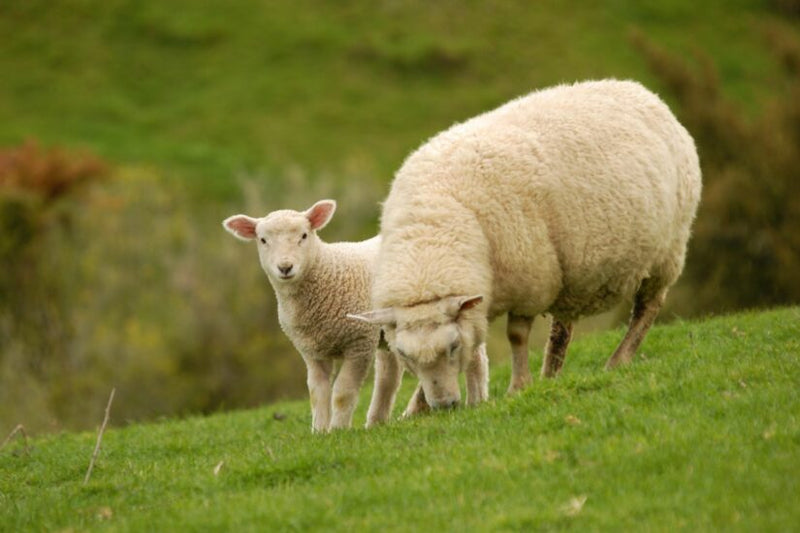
564,201
316,285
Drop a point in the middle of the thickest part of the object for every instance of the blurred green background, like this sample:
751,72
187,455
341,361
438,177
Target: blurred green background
130,129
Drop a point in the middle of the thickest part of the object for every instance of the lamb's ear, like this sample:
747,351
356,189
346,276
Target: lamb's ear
381,317
320,213
241,226
456,304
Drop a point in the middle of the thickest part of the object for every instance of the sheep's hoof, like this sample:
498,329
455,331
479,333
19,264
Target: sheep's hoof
518,386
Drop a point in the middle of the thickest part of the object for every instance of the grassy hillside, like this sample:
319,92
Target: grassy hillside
701,432
205,109
345,89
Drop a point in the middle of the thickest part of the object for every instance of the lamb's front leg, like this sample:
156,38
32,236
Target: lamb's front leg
345,390
417,404
477,375
319,390
388,374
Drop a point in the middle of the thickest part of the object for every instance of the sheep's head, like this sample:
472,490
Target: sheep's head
286,239
436,340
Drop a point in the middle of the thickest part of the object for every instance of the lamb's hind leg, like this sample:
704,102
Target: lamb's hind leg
556,350
417,404
388,374
518,330
345,389
647,303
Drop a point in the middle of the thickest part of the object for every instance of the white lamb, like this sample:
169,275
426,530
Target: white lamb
563,201
316,285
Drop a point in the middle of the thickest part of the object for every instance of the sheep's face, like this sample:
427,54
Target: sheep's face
286,239
435,340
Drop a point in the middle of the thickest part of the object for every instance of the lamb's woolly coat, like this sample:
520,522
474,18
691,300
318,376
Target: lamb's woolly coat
316,285
561,201
313,312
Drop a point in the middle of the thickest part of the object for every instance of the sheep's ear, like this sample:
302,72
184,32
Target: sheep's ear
241,226
381,317
457,304
320,213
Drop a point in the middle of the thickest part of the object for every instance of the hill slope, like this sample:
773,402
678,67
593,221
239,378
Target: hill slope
206,109
701,432
207,90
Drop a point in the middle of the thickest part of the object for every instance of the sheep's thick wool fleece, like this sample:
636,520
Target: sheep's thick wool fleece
561,201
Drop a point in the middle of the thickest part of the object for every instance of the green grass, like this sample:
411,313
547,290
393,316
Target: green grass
311,98
701,432
343,89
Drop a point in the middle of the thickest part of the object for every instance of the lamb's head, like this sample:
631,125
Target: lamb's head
436,340
287,240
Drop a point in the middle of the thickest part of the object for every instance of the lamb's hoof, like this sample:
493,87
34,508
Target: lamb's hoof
375,421
415,410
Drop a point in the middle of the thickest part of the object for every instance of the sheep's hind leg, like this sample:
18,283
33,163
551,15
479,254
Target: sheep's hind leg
345,390
478,376
319,390
647,303
556,350
518,330
388,374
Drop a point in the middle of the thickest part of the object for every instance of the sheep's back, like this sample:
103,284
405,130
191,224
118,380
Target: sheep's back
581,191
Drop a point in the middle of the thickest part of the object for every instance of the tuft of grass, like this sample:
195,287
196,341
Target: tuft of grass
701,432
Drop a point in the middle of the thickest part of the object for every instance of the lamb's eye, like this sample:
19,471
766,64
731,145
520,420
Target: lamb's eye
263,240
304,236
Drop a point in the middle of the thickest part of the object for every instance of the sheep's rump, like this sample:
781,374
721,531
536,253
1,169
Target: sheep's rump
580,190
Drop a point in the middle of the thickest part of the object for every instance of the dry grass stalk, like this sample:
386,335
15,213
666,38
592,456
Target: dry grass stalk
21,430
99,437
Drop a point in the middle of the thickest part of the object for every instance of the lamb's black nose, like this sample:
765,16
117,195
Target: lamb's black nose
285,268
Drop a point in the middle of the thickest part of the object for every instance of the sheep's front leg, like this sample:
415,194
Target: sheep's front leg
556,350
388,374
345,389
417,404
647,303
319,390
477,375
518,329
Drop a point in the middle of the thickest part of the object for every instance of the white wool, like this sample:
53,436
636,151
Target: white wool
325,282
560,201
563,201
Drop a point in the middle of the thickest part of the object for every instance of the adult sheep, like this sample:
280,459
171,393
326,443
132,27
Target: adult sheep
563,201
316,285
